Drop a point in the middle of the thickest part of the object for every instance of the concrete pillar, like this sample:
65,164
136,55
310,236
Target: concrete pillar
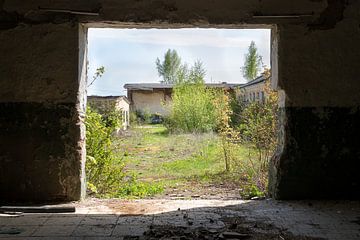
41,149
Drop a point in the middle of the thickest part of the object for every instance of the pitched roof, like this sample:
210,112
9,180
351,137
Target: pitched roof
152,86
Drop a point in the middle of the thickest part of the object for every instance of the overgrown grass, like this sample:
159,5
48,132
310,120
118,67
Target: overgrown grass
161,161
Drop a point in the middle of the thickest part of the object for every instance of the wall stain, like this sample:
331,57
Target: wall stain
333,14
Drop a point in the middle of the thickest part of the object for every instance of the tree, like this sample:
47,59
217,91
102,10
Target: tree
168,69
98,74
253,63
197,73
194,74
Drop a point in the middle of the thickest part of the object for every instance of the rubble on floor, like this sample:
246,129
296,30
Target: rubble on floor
114,219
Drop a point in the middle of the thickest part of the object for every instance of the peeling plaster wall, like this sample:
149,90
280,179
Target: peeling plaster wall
41,97
150,101
39,118
319,71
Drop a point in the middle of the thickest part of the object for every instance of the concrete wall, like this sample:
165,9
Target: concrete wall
151,101
103,104
316,66
125,108
40,135
253,92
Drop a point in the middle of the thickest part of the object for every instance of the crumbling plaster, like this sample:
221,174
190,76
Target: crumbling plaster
317,67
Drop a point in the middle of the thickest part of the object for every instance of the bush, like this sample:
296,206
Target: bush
142,117
104,170
192,109
259,129
259,126
132,188
112,119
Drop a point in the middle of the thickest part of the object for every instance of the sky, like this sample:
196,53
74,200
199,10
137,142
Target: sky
129,55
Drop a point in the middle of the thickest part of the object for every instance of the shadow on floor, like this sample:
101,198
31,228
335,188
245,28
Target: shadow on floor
190,219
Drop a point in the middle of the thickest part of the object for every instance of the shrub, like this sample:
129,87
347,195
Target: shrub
112,119
142,117
192,108
259,129
259,125
133,188
104,169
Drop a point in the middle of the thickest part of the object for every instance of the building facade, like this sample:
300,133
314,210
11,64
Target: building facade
253,90
103,103
153,97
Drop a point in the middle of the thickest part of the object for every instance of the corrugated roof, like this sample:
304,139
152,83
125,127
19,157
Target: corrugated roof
152,86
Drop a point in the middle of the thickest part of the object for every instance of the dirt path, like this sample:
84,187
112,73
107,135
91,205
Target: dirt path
196,190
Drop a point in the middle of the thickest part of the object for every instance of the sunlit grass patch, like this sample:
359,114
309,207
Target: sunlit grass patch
164,161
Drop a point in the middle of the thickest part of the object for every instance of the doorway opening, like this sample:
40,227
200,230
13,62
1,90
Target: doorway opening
181,113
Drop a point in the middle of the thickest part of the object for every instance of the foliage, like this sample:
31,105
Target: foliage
252,190
191,112
227,134
133,188
112,119
259,125
146,117
98,74
183,161
169,68
104,169
197,73
105,166
236,107
259,129
134,118
194,74
253,63
160,159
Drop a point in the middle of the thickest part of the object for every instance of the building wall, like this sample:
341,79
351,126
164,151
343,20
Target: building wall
315,65
41,134
125,108
103,104
151,101
252,93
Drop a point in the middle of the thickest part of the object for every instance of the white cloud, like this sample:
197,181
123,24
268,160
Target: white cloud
178,37
221,50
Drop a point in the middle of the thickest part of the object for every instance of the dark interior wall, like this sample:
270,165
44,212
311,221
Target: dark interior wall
319,70
41,135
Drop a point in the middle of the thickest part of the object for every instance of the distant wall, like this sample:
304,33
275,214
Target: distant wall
103,104
151,101
254,92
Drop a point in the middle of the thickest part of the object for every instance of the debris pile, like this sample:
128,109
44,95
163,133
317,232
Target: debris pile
235,228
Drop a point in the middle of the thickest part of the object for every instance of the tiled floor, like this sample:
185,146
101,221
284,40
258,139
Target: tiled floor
116,219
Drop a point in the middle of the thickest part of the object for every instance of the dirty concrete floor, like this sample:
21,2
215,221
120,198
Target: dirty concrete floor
190,219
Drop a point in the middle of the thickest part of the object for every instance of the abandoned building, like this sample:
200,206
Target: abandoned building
149,97
106,103
153,97
315,66
253,90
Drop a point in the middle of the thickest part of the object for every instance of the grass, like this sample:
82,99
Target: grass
158,161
